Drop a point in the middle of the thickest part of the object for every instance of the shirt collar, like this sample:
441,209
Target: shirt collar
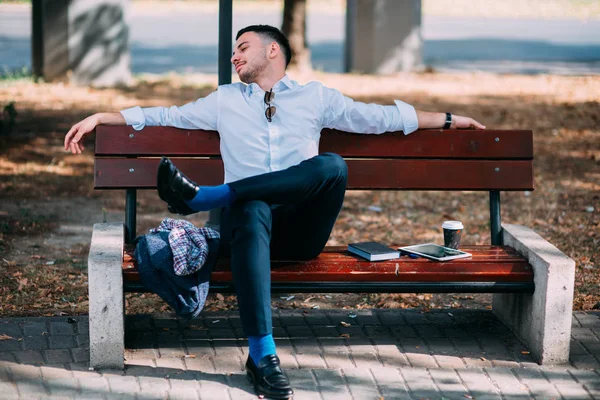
281,85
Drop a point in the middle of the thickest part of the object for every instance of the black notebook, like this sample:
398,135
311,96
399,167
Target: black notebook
373,251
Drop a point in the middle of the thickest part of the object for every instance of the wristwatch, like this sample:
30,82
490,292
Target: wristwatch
448,121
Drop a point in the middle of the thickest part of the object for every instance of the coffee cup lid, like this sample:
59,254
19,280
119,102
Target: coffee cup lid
452,225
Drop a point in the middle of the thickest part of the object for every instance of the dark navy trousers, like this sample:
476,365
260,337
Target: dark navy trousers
284,214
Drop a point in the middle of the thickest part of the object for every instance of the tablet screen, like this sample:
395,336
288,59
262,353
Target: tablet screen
434,250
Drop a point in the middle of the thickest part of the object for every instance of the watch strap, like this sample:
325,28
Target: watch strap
448,120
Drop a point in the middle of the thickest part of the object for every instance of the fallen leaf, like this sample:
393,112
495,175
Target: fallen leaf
197,328
220,297
22,284
345,335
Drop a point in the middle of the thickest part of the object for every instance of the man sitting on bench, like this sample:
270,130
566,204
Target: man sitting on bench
280,197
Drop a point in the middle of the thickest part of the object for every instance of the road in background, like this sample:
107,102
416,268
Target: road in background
185,40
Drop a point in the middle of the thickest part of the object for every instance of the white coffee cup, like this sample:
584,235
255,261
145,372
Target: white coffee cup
452,233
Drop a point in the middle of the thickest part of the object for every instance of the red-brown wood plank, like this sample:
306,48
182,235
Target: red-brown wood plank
337,265
489,144
432,143
120,173
156,140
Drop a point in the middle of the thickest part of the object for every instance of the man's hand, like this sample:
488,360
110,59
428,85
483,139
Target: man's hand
77,131
459,122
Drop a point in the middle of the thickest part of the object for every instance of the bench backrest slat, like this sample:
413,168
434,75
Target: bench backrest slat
424,160
489,144
122,173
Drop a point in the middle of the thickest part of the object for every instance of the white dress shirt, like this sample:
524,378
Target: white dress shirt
250,145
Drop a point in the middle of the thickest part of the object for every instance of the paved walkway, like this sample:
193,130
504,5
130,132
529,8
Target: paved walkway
331,354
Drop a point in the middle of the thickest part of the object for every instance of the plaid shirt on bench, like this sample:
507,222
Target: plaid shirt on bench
188,244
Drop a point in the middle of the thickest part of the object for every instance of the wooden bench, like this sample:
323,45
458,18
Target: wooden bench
456,160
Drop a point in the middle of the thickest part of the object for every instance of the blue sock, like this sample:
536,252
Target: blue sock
261,346
209,197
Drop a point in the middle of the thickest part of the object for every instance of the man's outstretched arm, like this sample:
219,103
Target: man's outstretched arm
201,114
77,131
343,113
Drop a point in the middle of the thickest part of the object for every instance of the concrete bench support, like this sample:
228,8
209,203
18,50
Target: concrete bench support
542,320
107,313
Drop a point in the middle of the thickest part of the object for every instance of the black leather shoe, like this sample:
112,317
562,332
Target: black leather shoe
174,187
268,378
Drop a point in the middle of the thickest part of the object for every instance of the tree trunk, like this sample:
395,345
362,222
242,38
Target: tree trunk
294,27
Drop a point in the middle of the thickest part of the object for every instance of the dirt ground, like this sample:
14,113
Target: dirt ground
48,205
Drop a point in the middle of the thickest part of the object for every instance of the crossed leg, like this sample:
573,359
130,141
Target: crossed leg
289,214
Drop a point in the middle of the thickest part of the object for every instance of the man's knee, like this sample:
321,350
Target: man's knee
252,216
333,166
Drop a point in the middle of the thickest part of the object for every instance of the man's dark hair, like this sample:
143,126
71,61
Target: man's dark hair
272,33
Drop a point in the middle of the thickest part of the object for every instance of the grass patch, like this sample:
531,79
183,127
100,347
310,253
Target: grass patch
15,74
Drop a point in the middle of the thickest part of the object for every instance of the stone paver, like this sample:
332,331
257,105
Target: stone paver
419,383
390,354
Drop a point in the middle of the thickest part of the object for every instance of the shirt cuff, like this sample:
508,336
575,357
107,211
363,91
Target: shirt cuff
408,114
135,117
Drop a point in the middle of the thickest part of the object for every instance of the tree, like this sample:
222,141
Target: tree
294,27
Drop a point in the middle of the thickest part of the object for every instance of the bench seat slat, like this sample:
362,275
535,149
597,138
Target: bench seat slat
334,265
122,173
489,144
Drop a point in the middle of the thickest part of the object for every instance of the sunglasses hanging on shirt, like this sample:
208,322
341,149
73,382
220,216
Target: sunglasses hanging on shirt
270,111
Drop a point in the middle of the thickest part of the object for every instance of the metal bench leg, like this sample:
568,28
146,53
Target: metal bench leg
105,283
542,320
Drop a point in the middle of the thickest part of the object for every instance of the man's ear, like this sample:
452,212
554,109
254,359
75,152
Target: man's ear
274,49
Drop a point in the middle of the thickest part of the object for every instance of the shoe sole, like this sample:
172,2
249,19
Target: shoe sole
260,394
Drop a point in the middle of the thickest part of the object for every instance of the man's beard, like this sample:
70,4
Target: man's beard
254,68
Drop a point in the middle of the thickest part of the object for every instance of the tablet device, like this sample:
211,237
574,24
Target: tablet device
434,252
